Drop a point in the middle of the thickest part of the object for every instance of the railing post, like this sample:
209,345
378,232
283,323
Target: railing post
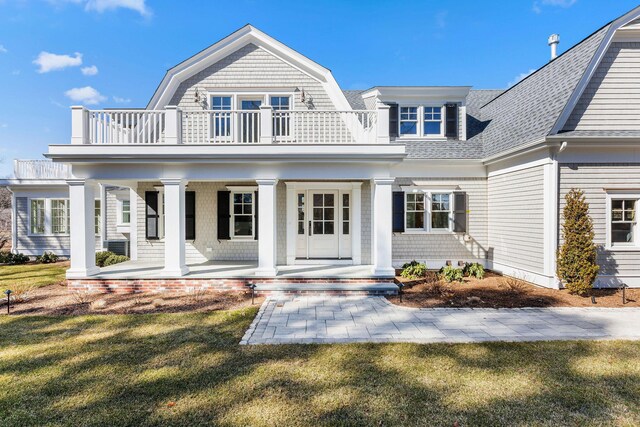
266,124
79,125
382,135
172,125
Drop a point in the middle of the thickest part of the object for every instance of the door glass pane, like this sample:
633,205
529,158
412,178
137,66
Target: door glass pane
251,104
317,227
345,200
328,227
317,200
317,214
328,214
328,199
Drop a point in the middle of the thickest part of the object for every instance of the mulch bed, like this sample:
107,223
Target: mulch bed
55,300
495,291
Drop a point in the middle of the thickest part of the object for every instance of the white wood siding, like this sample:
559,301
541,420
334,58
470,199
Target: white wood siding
592,179
516,219
611,100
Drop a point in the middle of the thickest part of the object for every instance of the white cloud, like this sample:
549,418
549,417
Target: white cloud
51,61
89,71
553,3
520,77
85,95
3,49
105,5
119,100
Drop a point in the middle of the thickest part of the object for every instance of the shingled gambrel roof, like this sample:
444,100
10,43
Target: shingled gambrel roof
528,111
354,97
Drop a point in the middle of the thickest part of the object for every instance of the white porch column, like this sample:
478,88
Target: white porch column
133,223
83,237
79,125
382,227
356,228
103,217
174,231
267,227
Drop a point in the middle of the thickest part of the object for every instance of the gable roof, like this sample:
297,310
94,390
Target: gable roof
238,39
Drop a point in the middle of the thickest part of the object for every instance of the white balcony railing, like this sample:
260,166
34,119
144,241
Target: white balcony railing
40,169
264,126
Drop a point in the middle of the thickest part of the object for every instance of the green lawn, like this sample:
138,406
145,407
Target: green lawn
187,369
19,277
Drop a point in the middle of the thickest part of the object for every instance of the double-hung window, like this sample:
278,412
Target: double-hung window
125,212
440,211
281,122
242,214
623,221
37,216
60,216
428,211
415,211
408,120
221,121
98,216
432,121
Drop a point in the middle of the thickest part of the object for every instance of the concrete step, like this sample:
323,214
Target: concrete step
328,288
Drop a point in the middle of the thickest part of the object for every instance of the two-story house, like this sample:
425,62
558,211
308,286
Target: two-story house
250,164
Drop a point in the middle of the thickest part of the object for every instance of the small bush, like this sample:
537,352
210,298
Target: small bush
413,270
513,285
13,259
451,274
101,257
47,258
22,294
115,259
474,270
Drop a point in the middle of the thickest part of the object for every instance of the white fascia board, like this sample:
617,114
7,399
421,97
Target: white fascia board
417,93
227,152
592,67
232,43
18,183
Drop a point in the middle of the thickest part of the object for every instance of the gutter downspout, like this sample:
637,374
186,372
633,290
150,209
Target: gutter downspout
14,223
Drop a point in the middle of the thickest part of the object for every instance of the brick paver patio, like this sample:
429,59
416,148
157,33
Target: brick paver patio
344,319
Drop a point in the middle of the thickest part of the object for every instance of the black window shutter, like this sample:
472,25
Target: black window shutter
393,120
190,215
451,127
223,215
460,212
151,214
398,211
255,213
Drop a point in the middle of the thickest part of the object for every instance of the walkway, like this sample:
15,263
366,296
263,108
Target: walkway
345,319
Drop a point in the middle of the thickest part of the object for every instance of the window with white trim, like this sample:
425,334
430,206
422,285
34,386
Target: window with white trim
414,211
125,212
280,120
623,221
98,216
408,120
221,120
432,121
37,216
60,216
242,214
440,211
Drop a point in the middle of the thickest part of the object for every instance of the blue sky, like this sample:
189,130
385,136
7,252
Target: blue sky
113,53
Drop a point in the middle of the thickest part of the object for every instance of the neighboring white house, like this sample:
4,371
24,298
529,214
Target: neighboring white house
250,161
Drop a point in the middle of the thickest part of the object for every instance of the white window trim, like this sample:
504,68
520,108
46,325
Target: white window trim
420,134
121,222
241,190
99,233
237,96
622,247
428,193
29,211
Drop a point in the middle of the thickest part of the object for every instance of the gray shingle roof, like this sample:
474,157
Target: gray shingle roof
527,112
354,97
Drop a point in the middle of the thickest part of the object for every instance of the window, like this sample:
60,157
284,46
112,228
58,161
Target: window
125,212
345,214
623,221
221,125
37,216
98,216
301,213
242,214
415,211
440,211
280,118
323,213
432,121
60,216
408,120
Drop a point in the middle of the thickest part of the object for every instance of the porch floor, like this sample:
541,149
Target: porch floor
233,269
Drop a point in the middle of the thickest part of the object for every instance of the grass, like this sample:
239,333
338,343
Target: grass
187,369
29,276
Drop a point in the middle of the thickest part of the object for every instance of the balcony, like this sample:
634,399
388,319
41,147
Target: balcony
203,127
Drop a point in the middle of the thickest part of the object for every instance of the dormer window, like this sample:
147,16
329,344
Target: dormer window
432,121
408,120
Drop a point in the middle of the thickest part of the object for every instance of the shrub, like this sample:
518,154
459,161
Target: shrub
414,270
13,259
101,257
47,258
115,259
576,259
451,274
474,270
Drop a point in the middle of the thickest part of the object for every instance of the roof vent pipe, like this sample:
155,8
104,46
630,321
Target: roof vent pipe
554,39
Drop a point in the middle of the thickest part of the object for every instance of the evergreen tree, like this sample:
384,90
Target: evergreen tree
576,259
